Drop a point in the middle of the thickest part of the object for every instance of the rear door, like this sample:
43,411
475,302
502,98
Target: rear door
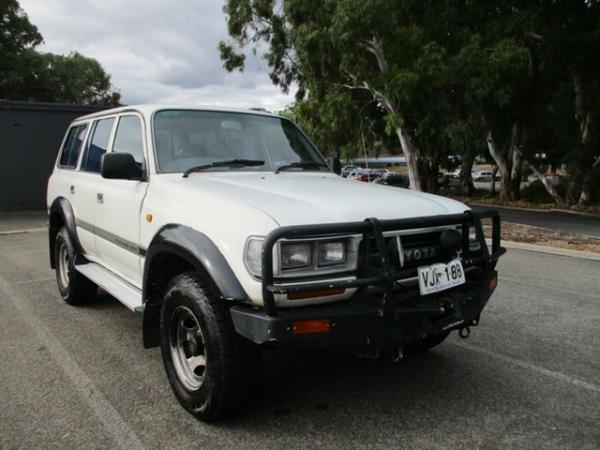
67,182
119,204
87,181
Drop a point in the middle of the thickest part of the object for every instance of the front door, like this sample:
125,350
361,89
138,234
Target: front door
119,205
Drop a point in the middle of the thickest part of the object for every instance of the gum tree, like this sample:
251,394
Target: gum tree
378,47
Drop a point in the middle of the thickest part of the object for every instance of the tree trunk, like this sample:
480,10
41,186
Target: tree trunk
494,173
586,189
466,177
517,164
587,136
429,174
502,164
548,185
411,153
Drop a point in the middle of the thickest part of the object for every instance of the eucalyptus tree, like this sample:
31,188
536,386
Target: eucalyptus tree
379,47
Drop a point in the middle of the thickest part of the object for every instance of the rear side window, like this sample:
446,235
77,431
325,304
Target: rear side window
128,138
98,145
70,151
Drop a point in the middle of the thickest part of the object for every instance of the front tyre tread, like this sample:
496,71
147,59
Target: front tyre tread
232,362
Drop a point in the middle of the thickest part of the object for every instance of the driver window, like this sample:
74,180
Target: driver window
128,138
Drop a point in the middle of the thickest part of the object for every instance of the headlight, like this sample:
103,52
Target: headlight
303,257
331,253
296,255
253,255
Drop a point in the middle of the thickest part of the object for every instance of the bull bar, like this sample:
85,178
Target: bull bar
374,228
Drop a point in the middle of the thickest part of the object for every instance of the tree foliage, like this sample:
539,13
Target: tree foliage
518,78
26,74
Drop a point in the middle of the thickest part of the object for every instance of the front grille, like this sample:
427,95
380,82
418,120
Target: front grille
419,250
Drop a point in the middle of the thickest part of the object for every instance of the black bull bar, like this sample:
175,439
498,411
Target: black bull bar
373,228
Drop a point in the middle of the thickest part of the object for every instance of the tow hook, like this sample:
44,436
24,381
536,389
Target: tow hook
397,355
464,332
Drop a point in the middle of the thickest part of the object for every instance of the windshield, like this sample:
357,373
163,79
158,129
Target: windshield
188,138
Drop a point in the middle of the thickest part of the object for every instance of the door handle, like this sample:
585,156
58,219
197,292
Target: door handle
72,189
100,197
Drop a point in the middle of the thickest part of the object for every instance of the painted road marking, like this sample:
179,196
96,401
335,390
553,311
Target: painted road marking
123,434
525,365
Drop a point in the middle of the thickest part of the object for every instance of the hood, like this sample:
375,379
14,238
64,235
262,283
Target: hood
299,198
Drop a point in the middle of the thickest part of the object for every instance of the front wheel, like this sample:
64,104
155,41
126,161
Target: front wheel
210,367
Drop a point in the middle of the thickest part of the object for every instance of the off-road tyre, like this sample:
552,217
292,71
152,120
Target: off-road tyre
74,288
225,384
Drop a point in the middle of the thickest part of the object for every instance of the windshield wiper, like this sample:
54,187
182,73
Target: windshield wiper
300,165
226,163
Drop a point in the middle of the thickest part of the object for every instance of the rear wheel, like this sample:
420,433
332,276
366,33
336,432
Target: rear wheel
74,288
426,343
212,369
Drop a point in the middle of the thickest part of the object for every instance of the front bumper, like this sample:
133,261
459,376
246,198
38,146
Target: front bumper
387,310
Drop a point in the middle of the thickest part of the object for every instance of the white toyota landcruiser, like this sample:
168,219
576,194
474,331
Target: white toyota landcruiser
228,231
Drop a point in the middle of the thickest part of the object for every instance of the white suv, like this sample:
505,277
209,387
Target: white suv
228,232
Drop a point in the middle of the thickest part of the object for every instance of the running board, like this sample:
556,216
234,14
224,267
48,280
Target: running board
127,294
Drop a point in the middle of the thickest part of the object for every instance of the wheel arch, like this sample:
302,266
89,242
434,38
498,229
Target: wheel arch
176,249
61,214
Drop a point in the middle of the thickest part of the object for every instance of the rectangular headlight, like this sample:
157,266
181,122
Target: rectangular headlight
331,253
295,255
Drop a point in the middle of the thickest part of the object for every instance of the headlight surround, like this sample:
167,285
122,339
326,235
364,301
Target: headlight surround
303,257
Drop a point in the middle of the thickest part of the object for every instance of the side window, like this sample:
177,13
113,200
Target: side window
97,145
70,151
128,138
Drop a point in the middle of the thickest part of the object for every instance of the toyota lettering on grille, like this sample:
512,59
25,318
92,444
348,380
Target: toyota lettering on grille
419,253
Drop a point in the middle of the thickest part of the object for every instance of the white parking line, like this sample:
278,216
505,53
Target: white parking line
525,365
26,230
123,434
33,280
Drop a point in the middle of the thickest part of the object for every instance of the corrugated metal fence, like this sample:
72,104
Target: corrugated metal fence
30,134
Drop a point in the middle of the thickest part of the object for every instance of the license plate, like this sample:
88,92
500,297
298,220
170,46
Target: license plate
439,277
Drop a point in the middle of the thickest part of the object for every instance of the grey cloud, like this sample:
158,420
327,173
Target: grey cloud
156,51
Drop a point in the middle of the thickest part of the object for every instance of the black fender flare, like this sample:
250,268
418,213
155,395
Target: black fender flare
201,252
63,207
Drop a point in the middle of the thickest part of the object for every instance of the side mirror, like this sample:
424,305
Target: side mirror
120,166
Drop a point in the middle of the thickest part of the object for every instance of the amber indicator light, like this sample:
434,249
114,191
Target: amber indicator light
300,327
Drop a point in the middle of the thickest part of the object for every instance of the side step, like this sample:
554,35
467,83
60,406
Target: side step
127,294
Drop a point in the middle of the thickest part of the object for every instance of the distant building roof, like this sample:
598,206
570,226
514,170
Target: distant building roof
384,161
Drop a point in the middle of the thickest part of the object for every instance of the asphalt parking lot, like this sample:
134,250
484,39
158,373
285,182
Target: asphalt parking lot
528,377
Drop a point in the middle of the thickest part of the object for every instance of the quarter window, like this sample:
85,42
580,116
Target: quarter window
128,138
70,152
98,145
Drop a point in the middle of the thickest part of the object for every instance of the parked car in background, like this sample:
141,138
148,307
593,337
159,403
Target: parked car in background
395,179
382,173
347,170
482,175
366,177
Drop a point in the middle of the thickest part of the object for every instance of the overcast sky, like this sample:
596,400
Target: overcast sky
156,50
